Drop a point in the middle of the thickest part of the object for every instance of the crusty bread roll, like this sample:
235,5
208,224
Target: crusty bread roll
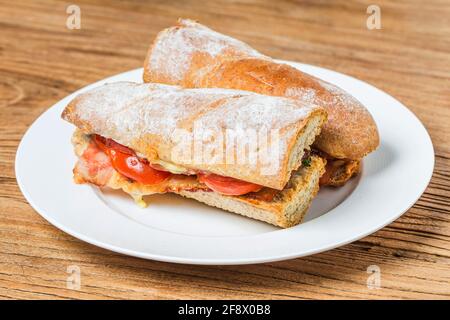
146,117
194,56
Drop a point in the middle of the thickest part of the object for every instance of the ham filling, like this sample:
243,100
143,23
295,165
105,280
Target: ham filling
93,166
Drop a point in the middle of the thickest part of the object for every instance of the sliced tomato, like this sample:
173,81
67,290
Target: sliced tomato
134,168
108,144
125,161
228,186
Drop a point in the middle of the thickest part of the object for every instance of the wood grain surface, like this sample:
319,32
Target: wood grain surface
41,61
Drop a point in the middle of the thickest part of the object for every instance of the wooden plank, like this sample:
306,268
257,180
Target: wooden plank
41,61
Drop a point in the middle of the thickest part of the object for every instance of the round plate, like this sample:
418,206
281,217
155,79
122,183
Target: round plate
175,229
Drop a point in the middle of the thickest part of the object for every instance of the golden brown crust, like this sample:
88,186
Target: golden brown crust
215,60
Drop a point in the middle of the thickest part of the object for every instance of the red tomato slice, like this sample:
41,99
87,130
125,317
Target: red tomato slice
125,161
134,168
108,144
228,186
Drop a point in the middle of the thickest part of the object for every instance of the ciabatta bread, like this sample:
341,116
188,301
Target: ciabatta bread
284,208
152,119
194,56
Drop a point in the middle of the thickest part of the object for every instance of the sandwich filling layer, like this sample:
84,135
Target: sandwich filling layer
105,163
337,171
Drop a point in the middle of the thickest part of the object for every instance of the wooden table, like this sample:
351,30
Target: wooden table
41,61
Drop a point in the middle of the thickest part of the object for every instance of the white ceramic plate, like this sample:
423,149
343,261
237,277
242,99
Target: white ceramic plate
175,229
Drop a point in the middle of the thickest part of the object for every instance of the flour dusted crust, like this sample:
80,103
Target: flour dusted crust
192,55
144,117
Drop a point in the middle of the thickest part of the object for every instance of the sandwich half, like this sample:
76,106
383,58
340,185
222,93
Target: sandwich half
194,56
236,150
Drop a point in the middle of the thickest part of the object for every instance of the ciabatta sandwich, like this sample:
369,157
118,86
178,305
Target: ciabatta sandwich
236,150
194,56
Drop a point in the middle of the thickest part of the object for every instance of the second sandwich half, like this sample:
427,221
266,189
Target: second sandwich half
240,151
